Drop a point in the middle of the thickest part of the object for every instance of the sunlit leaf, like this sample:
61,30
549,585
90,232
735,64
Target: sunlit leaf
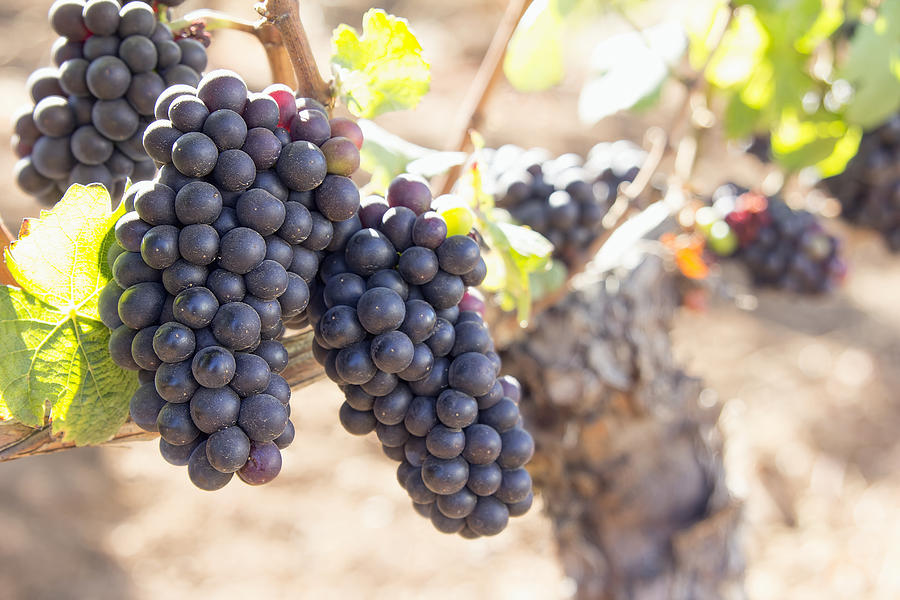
534,56
741,50
55,357
873,67
386,155
382,70
628,68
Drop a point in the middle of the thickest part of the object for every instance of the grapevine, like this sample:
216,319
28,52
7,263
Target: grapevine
209,250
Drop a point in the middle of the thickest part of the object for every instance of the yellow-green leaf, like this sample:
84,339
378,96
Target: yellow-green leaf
60,257
55,362
382,70
628,69
873,67
534,56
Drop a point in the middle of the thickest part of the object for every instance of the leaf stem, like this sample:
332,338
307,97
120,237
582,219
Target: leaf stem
284,15
471,114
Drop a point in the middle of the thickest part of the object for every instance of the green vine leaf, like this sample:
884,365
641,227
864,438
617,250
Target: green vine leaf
534,56
382,70
873,67
61,257
515,251
629,69
385,155
55,361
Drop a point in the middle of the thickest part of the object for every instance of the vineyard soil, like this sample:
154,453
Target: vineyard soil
810,416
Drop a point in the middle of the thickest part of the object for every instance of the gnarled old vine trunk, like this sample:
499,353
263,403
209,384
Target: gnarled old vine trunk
628,457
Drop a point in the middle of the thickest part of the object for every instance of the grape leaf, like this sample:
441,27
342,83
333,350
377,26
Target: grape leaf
534,55
382,70
629,68
385,155
798,142
60,258
56,356
873,67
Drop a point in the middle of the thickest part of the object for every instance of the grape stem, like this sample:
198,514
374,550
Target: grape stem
285,16
19,441
264,31
471,115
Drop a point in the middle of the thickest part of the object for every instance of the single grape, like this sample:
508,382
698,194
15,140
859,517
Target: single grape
445,476
409,191
145,406
228,449
222,89
175,382
141,304
195,307
341,156
182,275
263,464
369,251
194,154
391,408
485,479
302,166
274,353
202,473
489,517
142,349
159,246
175,424
178,455
355,421
392,352
213,367
241,250
174,342
236,326
381,310
286,438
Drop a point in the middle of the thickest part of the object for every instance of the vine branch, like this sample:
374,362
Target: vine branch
285,16
471,114
267,34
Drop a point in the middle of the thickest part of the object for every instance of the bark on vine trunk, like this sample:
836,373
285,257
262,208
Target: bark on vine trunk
628,456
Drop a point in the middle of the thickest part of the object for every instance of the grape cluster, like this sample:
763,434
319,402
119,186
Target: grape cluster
211,259
417,368
782,247
564,198
90,111
869,188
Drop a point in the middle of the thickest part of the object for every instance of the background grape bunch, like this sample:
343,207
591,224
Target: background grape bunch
91,109
869,188
416,367
213,256
563,198
781,247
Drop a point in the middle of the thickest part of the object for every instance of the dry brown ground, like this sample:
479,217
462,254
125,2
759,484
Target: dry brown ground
810,415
